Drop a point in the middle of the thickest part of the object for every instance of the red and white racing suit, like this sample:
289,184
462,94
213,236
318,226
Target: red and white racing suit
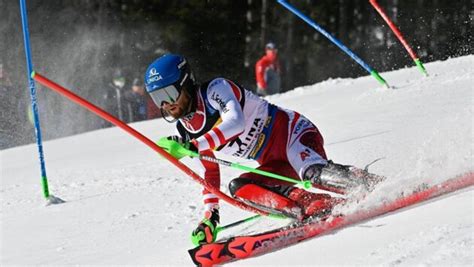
234,121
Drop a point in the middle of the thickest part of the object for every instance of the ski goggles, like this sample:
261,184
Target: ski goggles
168,94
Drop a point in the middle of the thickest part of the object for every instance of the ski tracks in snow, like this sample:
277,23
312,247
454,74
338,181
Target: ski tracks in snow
439,246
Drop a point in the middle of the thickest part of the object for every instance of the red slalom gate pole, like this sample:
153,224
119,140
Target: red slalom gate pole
399,35
106,116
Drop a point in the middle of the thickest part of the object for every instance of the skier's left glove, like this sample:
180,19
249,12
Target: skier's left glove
313,173
206,232
178,147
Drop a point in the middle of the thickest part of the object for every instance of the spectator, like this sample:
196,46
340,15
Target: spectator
139,104
118,84
267,72
112,96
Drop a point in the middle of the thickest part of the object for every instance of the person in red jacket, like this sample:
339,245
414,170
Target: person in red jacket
267,72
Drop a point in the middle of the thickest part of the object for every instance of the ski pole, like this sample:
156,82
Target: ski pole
399,35
230,225
249,219
305,184
246,220
313,24
201,236
177,151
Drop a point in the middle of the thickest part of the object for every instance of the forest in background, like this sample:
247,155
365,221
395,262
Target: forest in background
83,44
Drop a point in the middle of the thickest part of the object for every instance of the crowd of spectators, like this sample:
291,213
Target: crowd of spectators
127,99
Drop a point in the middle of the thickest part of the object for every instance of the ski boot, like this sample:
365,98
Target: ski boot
340,178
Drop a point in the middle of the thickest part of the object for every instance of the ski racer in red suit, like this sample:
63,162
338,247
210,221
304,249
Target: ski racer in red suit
267,72
220,115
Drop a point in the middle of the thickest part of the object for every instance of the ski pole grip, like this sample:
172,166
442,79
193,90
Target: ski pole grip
175,149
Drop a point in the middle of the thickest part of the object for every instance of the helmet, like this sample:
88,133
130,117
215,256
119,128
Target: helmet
167,76
270,46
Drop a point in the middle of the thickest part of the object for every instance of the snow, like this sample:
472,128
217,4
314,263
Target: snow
126,205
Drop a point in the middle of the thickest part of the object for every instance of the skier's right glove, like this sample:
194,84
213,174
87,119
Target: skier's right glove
206,232
177,146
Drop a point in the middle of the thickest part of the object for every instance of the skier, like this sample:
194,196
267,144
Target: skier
220,115
267,72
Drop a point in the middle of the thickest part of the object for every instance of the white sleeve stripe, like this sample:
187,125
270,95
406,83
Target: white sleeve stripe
215,138
207,196
211,206
203,144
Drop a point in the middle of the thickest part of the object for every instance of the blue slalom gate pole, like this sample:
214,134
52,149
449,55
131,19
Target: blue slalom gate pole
313,24
29,68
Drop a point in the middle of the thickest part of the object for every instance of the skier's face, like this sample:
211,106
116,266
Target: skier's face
180,107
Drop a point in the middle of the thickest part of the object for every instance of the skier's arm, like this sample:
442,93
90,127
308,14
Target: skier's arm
209,170
206,231
212,176
224,97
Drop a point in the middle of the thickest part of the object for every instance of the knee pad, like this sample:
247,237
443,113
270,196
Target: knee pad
263,198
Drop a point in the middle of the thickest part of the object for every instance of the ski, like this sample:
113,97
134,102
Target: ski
241,247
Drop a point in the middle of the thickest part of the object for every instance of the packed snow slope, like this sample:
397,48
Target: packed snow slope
126,205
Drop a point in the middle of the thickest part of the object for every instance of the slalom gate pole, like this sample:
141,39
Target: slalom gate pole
106,116
29,69
399,35
313,24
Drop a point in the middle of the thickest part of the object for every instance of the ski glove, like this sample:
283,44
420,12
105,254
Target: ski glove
206,232
313,173
178,147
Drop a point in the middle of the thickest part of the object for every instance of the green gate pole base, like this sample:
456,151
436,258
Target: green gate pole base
44,182
420,66
379,78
